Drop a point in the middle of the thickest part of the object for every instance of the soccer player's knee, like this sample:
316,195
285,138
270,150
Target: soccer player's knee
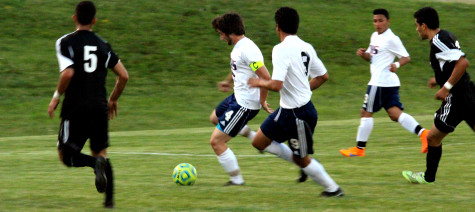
66,157
214,143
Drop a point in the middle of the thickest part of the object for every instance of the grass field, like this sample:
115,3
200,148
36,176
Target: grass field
174,59
32,178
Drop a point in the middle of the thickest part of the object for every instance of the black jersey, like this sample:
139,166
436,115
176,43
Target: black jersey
444,53
90,56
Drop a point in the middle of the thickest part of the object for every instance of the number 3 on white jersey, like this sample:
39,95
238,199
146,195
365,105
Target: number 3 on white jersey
90,66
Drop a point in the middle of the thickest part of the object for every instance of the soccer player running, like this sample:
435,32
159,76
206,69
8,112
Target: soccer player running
294,62
457,91
83,61
383,87
233,113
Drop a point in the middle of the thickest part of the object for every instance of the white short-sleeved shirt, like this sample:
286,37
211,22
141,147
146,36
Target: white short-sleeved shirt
244,53
384,48
294,62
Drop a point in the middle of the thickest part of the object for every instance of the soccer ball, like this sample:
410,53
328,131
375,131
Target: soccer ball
184,174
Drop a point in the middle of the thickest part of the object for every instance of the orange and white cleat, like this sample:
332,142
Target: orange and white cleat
352,152
423,138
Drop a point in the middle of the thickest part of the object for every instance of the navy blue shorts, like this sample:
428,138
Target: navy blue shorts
378,97
232,117
293,125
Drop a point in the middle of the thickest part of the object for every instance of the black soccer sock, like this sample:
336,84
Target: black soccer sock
418,129
81,160
110,185
432,162
361,145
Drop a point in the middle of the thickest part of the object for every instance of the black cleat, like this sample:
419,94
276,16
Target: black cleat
231,183
108,204
99,170
337,193
303,177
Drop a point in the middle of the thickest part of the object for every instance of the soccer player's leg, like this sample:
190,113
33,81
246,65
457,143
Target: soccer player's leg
372,103
270,136
229,124
71,140
394,108
99,142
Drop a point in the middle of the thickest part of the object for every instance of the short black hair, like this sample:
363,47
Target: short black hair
229,23
287,19
85,12
429,16
381,11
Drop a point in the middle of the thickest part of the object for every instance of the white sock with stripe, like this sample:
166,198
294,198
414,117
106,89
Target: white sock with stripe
318,174
281,150
247,132
229,162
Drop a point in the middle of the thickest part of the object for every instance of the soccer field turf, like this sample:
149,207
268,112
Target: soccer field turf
32,178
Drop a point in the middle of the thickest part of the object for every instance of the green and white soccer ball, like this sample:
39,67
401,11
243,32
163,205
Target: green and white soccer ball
184,174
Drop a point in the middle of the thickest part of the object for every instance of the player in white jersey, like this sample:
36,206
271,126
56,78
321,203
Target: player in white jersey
383,88
294,62
233,113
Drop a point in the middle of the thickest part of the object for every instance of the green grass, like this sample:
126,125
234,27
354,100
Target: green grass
33,179
175,58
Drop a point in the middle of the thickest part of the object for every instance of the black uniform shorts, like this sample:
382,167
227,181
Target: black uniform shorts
74,131
456,108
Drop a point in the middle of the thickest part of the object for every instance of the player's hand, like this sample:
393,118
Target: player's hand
266,107
112,109
431,82
360,52
393,68
224,86
442,94
253,82
52,106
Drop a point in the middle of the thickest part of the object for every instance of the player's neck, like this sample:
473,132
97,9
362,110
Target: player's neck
84,27
432,33
237,38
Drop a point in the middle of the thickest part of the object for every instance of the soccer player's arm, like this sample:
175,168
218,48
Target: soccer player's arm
261,71
397,48
318,73
461,64
67,71
226,84
121,82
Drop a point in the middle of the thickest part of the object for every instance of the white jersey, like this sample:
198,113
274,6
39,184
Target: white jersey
294,61
244,53
384,48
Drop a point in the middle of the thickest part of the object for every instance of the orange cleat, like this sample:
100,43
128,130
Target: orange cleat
424,141
352,152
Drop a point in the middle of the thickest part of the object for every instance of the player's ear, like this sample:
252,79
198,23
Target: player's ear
75,18
94,21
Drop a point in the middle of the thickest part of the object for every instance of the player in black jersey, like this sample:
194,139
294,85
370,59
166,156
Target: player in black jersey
83,62
457,91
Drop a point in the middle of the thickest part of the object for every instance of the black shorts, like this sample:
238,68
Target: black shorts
456,108
293,125
75,131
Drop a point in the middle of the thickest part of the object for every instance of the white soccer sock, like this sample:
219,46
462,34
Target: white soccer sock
247,132
281,150
408,122
365,128
229,162
318,174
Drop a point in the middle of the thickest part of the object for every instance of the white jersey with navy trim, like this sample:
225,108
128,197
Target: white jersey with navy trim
294,62
384,48
244,53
